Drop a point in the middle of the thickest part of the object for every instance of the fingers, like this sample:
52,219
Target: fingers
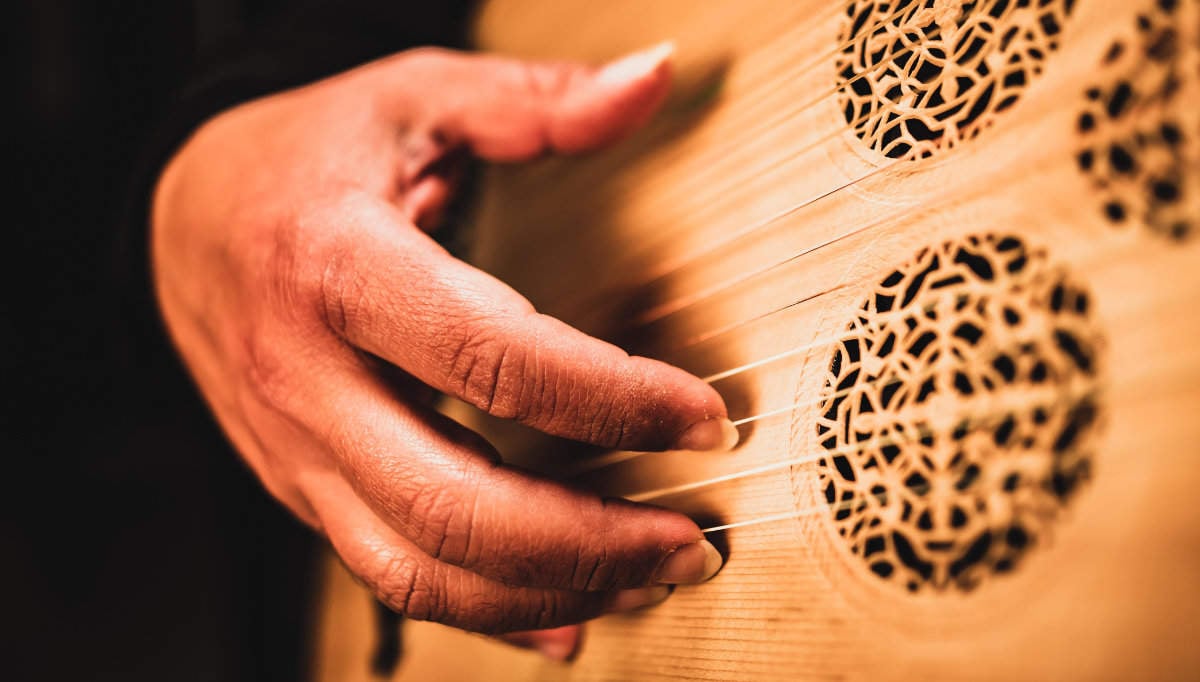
509,110
415,584
468,335
440,487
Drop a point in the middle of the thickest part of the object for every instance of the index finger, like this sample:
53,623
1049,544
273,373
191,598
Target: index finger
467,334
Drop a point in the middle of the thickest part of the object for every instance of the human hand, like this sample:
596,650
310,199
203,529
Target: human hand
315,314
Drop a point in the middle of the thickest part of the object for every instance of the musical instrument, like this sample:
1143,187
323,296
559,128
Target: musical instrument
941,258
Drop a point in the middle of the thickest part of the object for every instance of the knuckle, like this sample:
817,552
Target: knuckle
505,370
308,259
594,572
596,568
436,513
502,369
279,331
488,371
288,256
408,588
329,279
446,522
338,289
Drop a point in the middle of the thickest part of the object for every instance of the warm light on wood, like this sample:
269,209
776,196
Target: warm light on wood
943,265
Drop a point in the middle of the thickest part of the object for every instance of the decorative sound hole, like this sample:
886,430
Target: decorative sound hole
1139,129
959,412
918,76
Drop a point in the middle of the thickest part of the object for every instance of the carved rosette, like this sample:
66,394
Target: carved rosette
919,76
1139,129
959,413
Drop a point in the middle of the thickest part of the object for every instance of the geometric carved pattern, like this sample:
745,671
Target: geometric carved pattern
920,76
959,413
1140,129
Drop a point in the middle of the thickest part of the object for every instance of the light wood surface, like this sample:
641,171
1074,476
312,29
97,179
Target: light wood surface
750,222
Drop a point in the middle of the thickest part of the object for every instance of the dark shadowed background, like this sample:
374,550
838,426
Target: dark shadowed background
136,546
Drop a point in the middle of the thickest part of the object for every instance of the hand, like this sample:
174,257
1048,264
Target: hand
313,311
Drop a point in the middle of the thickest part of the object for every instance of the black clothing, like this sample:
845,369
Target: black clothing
137,545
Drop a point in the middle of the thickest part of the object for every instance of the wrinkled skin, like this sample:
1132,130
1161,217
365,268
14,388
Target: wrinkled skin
295,274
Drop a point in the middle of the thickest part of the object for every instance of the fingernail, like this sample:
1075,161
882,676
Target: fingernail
556,651
692,563
628,600
635,66
558,645
710,434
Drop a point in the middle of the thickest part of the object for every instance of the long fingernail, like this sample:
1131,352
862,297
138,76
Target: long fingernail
692,563
635,66
711,434
628,600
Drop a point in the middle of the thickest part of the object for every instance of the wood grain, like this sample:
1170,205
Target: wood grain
748,222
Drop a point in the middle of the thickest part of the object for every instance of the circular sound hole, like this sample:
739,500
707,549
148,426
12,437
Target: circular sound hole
1138,127
958,413
918,76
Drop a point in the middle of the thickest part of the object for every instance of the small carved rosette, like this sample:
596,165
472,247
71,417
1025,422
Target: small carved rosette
1139,127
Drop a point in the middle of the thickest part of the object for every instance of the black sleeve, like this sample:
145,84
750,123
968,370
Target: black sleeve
295,45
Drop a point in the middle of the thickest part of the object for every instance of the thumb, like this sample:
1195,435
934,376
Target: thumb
509,110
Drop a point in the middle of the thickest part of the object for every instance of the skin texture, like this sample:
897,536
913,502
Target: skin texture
316,315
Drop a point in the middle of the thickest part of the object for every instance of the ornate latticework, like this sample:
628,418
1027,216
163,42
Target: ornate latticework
959,412
918,76
1140,126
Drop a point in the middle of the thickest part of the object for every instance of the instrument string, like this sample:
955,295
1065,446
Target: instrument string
661,311
1164,381
702,337
611,459
962,420
831,508
996,416
664,310
614,458
878,319
717,152
711,294
649,317
708,169
844,505
666,267
658,313
671,226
